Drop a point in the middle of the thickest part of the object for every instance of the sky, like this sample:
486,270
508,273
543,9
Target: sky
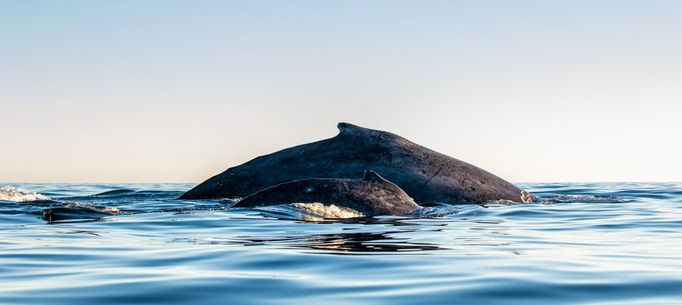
178,91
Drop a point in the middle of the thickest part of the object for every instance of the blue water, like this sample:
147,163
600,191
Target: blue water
586,244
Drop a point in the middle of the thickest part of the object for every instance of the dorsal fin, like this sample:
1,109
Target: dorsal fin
347,127
355,131
372,176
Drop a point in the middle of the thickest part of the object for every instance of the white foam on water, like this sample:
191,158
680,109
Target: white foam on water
327,210
527,197
10,193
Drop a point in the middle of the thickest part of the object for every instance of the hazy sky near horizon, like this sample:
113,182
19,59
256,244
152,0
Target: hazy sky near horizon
177,91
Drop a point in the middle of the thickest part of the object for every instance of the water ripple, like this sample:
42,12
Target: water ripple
587,243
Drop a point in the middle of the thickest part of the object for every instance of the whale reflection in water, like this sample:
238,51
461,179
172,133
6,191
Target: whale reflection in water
337,243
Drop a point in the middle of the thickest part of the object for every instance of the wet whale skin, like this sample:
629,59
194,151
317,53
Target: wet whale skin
425,175
371,195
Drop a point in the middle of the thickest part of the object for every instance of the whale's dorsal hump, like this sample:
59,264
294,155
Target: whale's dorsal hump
373,176
370,136
348,128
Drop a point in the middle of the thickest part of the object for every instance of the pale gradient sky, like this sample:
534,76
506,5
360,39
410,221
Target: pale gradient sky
176,91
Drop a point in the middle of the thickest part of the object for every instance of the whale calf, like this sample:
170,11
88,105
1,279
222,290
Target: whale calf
425,175
77,211
372,195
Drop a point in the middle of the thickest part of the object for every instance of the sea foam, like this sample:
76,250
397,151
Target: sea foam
10,193
327,211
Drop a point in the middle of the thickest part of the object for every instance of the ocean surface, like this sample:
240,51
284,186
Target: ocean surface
601,243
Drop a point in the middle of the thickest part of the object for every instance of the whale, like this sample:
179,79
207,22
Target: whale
424,174
78,211
371,195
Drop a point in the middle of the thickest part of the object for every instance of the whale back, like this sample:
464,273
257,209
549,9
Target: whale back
424,174
371,195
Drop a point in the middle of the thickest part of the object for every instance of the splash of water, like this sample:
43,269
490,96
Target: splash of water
327,211
10,193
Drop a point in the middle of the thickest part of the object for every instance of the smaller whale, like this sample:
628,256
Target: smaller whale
77,211
372,195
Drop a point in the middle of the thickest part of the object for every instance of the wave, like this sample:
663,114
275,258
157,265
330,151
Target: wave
582,199
115,193
10,193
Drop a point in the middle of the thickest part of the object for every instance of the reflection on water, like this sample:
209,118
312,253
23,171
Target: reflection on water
585,244
341,243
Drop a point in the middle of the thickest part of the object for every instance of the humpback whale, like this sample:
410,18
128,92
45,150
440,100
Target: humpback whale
372,195
425,175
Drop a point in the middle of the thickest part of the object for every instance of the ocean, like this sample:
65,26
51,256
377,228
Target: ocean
584,243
